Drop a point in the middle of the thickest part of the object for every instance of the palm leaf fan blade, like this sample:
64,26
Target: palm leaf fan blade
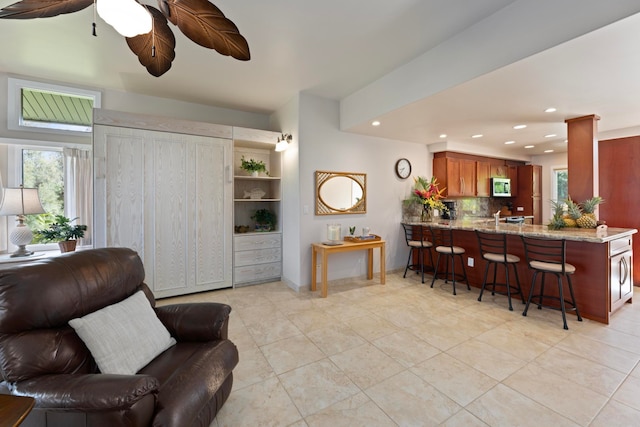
162,44
29,9
207,26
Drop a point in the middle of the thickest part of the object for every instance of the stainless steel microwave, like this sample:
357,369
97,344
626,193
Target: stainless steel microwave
500,187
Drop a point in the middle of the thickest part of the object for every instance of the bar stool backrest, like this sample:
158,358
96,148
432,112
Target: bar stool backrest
492,243
442,236
553,251
417,235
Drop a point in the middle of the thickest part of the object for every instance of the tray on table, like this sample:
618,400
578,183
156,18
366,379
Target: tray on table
360,239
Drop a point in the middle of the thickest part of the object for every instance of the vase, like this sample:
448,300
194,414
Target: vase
255,174
426,215
67,245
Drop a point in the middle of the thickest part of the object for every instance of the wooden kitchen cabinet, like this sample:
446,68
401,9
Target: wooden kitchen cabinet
499,171
620,272
528,200
483,175
457,175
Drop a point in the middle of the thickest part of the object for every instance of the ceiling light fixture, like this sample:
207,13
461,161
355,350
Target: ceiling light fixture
478,135
375,123
529,146
128,17
520,126
551,135
443,135
550,110
283,141
548,151
509,142
150,39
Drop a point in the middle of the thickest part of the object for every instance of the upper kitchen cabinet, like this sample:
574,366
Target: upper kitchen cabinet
483,175
458,175
528,202
499,171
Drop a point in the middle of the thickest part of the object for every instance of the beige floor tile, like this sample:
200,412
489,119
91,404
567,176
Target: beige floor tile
439,335
557,393
410,401
599,352
258,314
636,371
251,369
629,393
491,361
366,365
317,386
503,406
335,338
455,379
356,411
616,414
582,371
262,404
405,348
371,327
514,340
464,418
344,311
309,320
291,353
617,339
272,330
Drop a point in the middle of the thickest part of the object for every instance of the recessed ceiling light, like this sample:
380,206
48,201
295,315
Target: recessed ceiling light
550,110
375,123
548,151
478,135
443,135
520,126
529,146
509,142
551,135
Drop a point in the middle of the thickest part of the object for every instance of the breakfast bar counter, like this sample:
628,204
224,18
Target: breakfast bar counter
603,280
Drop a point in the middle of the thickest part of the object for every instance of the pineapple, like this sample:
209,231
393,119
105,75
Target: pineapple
557,221
588,218
573,213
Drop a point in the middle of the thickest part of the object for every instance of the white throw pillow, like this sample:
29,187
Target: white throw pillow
123,337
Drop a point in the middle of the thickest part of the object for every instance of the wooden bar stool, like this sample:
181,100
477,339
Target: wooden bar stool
493,248
549,256
443,239
418,237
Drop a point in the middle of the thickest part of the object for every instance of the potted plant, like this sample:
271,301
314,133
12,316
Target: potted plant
265,220
253,166
59,229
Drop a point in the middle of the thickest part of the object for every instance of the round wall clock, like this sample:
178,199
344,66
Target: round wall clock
403,168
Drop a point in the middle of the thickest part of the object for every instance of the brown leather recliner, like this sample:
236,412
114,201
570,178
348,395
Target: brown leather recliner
41,355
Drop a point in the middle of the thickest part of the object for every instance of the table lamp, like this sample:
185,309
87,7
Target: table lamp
20,202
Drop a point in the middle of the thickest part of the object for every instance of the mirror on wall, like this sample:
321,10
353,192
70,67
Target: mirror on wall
341,193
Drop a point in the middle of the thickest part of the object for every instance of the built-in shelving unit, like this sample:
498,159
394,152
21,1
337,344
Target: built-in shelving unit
257,254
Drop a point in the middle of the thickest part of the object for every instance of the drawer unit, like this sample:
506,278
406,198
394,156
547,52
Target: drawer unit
257,258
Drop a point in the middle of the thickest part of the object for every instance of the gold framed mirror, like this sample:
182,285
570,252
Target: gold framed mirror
341,193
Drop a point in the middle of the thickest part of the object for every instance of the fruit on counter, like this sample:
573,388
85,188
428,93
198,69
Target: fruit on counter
573,213
588,218
568,213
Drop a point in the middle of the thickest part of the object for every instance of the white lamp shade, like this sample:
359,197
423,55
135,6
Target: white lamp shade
127,17
282,145
20,201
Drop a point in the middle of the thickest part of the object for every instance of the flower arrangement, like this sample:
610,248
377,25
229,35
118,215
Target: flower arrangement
426,192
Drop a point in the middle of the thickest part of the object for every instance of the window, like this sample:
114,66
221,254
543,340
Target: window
42,107
63,177
560,184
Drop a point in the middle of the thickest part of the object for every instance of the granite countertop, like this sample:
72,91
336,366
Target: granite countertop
568,233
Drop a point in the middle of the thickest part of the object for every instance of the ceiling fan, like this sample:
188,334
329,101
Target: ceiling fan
199,20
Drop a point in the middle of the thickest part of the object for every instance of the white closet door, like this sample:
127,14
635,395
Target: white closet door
166,196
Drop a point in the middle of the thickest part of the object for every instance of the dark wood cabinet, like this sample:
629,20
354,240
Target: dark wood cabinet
483,179
513,175
528,201
458,176
499,171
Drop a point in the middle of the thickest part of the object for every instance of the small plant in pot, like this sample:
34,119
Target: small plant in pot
254,167
265,220
58,228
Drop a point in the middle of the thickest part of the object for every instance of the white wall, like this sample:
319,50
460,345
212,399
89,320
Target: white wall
549,162
322,146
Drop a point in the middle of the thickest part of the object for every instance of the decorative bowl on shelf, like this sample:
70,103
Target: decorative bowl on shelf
255,193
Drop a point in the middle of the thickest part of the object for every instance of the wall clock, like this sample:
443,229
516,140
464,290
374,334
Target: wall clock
403,168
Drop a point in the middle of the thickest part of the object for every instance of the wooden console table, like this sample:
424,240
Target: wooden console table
14,409
325,250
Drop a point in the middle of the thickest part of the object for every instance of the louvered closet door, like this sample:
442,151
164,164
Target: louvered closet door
166,196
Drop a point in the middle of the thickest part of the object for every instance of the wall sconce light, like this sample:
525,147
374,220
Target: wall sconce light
20,202
283,141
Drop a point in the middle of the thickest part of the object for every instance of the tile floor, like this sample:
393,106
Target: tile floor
403,354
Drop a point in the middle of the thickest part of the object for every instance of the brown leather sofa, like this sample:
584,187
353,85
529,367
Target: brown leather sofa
41,355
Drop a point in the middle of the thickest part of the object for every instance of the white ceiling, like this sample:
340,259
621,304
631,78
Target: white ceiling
334,48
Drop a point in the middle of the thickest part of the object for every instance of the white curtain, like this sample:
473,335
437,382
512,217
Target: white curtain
78,194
